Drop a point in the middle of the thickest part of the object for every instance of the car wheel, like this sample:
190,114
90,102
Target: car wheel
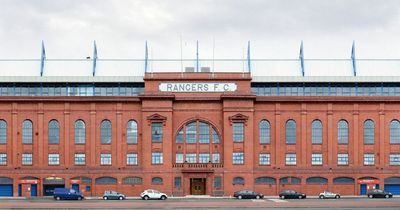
257,197
300,197
283,197
370,196
337,196
121,198
105,198
239,197
146,197
387,196
163,197
79,198
321,197
58,198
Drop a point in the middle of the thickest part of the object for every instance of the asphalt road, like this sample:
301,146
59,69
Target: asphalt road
204,203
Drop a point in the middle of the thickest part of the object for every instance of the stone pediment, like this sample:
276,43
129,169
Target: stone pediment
157,118
238,118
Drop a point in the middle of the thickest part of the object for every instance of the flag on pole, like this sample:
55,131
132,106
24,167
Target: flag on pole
42,59
248,57
94,58
301,57
197,56
353,58
146,58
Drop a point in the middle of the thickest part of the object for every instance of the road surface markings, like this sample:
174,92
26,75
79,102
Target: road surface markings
277,200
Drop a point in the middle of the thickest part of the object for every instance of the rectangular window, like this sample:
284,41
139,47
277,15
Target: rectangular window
191,158
204,158
27,159
105,159
238,132
80,159
369,159
3,159
291,159
156,158
178,182
131,159
264,159
316,159
204,135
156,132
178,158
343,159
394,159
217,182
54,159
216,158
238,158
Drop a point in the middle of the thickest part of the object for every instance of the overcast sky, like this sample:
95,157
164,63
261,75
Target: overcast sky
274,27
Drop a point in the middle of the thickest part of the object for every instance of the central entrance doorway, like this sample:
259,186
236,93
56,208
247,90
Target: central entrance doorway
198,186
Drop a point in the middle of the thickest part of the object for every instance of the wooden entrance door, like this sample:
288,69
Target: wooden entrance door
198,186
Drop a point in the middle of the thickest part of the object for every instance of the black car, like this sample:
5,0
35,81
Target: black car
247,194
376,193
289,194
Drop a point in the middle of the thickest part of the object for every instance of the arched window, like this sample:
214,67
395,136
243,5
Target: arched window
343,132
317,180
265,180
290,180
105,132
132,180
238,180
316,132
80,132
131,132
395,132
369,134
265,130
106,180
343,180
27,132
3,132
197,131
156,180
290,132
54,132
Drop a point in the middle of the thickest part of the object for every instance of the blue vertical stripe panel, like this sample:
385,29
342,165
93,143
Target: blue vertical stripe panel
6,190
393,188
248,57
301,57
42,59
353,59
94,58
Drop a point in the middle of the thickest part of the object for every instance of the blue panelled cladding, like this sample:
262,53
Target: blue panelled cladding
326,89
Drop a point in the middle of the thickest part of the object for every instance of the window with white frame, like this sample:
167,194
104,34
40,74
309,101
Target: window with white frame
394,159
27,159
80,159
105,159
178,158
238,132
131,159
264,159
157,158
204,158
191,158
291,159
54,159
369,159
216,158
316,159
238,158
3,159
343,159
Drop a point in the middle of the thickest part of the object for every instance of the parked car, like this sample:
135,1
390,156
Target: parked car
67,194
288,194
153,194
247,194
327,194
112,195
377,193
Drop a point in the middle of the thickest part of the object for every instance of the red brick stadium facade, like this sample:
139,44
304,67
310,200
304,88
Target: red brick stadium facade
196,125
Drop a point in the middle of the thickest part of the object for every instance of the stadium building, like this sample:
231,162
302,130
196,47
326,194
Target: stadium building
200,132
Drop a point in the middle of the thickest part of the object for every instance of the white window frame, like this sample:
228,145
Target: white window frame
369,159
291,159
316,159
341,157
105,159
53,159
264,159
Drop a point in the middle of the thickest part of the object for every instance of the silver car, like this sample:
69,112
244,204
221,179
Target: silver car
327,194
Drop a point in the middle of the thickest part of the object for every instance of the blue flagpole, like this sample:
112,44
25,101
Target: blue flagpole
353,58
42,59
248,57
197,56
301,57
94,58
146,58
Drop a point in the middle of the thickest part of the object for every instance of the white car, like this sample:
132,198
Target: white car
327,194
153,194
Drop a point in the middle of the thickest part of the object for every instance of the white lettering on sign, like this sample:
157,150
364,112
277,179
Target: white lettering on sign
197,87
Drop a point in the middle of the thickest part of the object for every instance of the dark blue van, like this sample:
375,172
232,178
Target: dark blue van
67,194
